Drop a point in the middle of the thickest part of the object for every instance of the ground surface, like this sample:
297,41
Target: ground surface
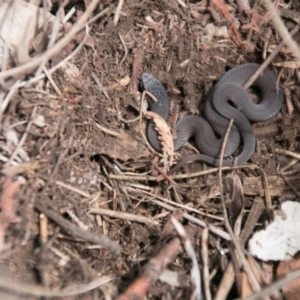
79,145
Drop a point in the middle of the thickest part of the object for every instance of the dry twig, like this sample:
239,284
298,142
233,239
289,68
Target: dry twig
204,255
118,11
287,38
123,215
195,272
252,279
269,59
153,269
21,288
77,232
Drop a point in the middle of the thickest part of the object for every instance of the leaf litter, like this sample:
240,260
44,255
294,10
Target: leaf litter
81,153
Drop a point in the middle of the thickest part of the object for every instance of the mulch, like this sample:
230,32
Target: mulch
80,198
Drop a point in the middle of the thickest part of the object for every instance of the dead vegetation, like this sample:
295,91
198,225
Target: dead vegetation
88,210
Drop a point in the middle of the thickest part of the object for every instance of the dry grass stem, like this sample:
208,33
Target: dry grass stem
182,206
4,102
196,221
288,153
73,189
54,85
77,221
123,215
100,85
125,49
268,198
106,130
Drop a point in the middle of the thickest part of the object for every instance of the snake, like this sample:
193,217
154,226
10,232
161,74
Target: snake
226,100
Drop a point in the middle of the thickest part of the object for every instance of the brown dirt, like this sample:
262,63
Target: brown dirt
76,156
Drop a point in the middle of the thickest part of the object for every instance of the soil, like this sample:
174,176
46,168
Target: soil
85,137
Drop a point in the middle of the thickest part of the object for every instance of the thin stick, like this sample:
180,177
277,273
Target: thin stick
289,153
104,129
277,285
74,231
269,59
228,276
5,58
100,85
69,14
132,177
54,85
4,103
282,29
179,176
77,221
118,12
224,143
155,266
201,223
125,49
214,170
17,287
73,189
182,206
255,285
123,216
204,255
195,274
54,33
181,3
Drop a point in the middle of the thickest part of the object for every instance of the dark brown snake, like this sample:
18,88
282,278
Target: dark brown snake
227,100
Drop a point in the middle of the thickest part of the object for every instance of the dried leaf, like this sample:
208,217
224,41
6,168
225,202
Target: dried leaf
11,136
39,120
120,84
211,31
136,69
236,196
164,133
174,279
20,21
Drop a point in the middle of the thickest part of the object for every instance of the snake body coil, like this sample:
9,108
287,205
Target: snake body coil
227,100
